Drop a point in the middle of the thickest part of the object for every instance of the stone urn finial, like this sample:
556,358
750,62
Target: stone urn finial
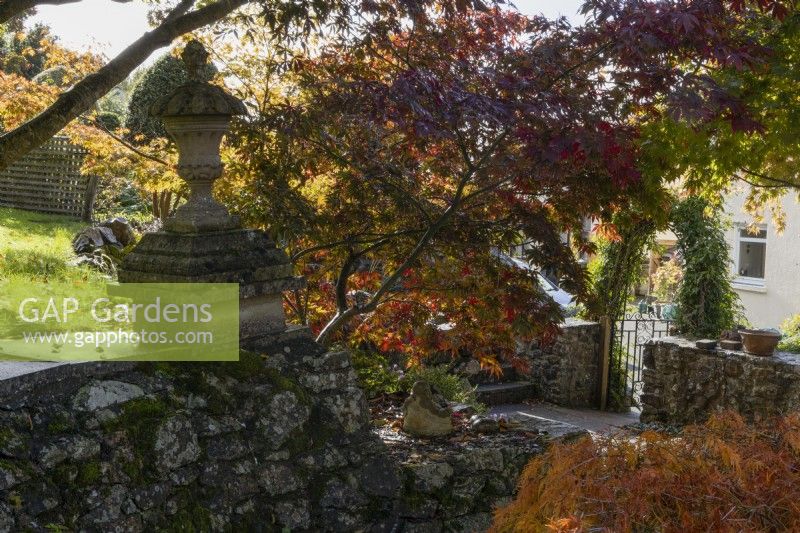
195,57
197,115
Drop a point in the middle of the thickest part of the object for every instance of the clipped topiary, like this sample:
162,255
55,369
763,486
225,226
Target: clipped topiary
109,120
166,74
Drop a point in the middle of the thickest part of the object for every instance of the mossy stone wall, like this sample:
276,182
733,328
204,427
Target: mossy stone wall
277,441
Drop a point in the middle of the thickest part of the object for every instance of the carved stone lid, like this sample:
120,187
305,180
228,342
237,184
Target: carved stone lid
197,97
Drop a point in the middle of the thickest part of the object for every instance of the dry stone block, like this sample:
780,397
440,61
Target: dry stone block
283,415
104,394
176,443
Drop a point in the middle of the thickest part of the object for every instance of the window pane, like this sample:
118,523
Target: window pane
752,257
760,234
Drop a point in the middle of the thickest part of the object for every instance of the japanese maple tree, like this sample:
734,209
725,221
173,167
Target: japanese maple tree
395,164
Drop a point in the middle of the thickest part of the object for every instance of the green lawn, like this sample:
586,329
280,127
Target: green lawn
37,246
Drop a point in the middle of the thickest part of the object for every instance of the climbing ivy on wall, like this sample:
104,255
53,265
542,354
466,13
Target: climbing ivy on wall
707,304
619,264
614,274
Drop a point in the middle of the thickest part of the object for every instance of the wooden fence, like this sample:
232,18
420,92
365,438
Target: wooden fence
49,180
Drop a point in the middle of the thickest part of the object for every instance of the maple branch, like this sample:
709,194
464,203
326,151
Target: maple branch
318,248
378,238
341,282
777,182
591,57
759,185
82,96
433,229
294,308
99,125
393,171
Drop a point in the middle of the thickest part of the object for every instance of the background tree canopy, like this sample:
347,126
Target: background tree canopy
757,141
24,52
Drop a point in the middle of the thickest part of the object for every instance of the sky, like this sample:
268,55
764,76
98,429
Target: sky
108,27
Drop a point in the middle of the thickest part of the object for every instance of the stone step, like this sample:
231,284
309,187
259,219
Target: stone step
552,429
509,375
500,393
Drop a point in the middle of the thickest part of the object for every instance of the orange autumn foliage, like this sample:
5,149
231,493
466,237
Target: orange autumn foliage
724,475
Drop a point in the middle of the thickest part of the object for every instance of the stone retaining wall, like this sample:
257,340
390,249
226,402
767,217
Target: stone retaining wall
262,444
456,487
684,384
568,372
274,442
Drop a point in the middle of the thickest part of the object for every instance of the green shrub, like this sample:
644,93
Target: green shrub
790,344
791,335
376,377
374,373
707,304
109,120
453,388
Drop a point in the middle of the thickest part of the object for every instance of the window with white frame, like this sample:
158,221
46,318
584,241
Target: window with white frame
751,255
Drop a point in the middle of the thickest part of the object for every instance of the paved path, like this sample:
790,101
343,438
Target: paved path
588,419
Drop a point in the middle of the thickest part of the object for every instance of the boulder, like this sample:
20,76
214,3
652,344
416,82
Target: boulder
122,230
426,414
94,238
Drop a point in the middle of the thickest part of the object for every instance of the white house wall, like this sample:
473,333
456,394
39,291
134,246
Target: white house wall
779,297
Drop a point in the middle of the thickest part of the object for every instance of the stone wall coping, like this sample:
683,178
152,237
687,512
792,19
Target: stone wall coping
578,323
18,378
784,358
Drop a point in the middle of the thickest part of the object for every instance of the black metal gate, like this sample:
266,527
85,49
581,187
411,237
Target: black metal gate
629,334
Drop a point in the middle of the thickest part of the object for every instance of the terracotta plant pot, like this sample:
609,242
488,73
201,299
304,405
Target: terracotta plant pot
759,341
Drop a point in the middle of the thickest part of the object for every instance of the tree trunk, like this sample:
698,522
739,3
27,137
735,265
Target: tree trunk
156,205
85,93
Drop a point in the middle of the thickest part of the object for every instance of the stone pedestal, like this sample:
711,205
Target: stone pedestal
202,242
244,256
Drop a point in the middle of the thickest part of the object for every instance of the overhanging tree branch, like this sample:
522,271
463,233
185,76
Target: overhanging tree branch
372,240
129,146
11,8
343,315
81,97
